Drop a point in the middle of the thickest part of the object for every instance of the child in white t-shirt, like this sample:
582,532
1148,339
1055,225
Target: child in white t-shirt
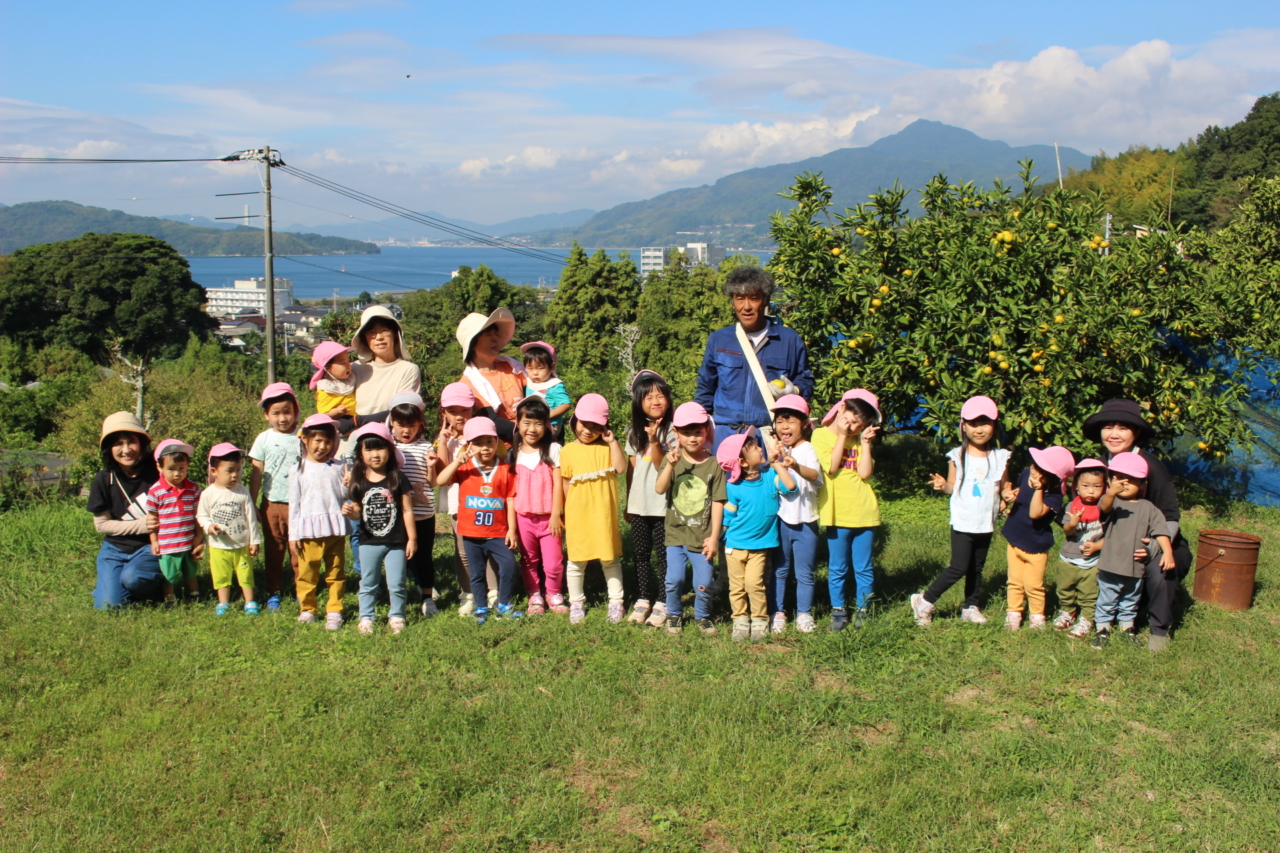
797,515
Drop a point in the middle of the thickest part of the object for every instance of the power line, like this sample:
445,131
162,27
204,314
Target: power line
423,219
342,272
77,160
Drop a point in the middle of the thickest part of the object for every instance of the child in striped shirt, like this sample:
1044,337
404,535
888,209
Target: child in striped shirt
421,465
171,505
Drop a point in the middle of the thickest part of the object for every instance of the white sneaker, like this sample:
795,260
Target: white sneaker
1013,620
466,604
365,626
616,612
805,623
333,621
779,624
658,615
306,617
396,623
921,610
1038,621
577,612
429,608
974,615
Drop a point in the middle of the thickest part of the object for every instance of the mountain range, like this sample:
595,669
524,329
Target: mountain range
734,211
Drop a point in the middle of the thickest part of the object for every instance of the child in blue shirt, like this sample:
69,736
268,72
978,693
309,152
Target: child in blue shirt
751,527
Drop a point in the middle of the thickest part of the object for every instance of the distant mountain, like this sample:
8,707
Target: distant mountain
395,228
735,210
50,221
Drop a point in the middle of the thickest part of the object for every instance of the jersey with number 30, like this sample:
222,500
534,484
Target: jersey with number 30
482,502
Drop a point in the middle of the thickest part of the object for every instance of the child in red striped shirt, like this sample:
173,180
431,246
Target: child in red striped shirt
175,537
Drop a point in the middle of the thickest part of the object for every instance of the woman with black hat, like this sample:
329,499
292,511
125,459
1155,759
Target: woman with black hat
1120,428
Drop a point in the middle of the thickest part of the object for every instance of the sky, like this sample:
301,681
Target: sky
498,110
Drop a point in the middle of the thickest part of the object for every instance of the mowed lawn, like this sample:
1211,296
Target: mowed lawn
174,730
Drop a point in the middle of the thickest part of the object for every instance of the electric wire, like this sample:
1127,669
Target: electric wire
81,160
344,272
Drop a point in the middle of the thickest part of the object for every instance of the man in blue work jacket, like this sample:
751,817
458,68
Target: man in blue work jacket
727,388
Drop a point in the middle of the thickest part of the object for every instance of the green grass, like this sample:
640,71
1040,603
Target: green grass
173,730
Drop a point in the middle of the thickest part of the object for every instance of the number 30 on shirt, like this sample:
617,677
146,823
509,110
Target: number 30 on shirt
486,509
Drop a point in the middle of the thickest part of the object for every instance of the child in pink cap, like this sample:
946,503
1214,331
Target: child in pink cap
177,540
798,537
847,505
333,383
1128,520
458,405
976,476
1077,583
317,527
1034,506
486,514
750,527
225,513
273,454
540,378
694,484
590,467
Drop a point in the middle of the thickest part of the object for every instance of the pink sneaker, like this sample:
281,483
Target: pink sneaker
1038,621
558,605
537,606
616,612
779,624
1013,620
577,612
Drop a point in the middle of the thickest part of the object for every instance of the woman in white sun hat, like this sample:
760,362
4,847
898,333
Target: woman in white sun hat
383,369
498,381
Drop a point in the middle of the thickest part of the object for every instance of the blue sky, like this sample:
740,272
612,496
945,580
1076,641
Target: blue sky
496,110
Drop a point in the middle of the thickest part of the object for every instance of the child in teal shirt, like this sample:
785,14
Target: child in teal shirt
540,378
751,527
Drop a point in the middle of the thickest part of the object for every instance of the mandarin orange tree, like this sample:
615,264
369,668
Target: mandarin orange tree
1019,297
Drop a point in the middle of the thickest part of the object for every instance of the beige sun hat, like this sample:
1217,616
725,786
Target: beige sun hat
473,324
122,422
372,313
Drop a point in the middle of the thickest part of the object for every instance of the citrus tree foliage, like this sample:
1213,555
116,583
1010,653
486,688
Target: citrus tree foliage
1017,297
678,309
595,296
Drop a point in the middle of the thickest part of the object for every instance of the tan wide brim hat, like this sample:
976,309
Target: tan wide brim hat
122,422
372,313
473,324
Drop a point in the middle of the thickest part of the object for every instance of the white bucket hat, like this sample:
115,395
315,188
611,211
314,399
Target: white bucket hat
372,313
473,324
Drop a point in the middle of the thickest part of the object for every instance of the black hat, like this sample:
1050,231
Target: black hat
1120,412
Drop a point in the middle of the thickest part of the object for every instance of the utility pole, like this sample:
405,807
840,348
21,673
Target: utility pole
1058,157
270,158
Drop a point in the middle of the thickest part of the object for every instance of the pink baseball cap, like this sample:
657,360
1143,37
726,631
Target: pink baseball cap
1130,464
856,394
225,448
276,390
729,454
457,394
1056,460
592,408
546,346
324,353
172,445
1089,464
382,432
979,407
794,402
319,420
478,428
690,414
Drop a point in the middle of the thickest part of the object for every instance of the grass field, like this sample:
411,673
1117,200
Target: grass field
172,730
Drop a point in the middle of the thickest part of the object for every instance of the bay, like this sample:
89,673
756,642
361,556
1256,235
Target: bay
396,268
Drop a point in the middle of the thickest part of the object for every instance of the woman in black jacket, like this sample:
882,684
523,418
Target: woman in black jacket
1120,428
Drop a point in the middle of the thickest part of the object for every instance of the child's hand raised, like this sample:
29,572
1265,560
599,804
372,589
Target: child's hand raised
1114,487
938,482
609,437
1035,479
870,433
651,431
463,454
673,455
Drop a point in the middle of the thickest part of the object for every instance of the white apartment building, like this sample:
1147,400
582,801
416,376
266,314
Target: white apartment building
652,259
704,253
248,293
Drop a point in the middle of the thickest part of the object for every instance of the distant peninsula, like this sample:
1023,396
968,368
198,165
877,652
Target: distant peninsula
35,222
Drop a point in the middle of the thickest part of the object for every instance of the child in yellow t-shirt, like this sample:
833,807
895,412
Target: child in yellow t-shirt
847,505
332,382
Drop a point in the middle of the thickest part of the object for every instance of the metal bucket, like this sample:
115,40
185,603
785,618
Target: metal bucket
1226,565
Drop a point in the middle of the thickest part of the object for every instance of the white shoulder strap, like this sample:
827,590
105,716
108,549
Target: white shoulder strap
753,361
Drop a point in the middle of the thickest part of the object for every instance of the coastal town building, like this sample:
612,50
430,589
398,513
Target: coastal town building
247,293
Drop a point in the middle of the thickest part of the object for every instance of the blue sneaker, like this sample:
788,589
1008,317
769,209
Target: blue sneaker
222,609
251,608
508,611
273,604
482,615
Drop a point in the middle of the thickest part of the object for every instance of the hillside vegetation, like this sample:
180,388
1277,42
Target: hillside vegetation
38,222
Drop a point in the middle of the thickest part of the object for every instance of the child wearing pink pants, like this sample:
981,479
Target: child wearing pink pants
539,507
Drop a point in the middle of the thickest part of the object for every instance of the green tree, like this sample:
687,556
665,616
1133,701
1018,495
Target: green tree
1223,157
1017,298
677,310
1137,187
597,296
123,297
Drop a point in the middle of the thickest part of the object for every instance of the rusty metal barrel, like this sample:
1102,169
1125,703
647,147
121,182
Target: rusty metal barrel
1226,566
